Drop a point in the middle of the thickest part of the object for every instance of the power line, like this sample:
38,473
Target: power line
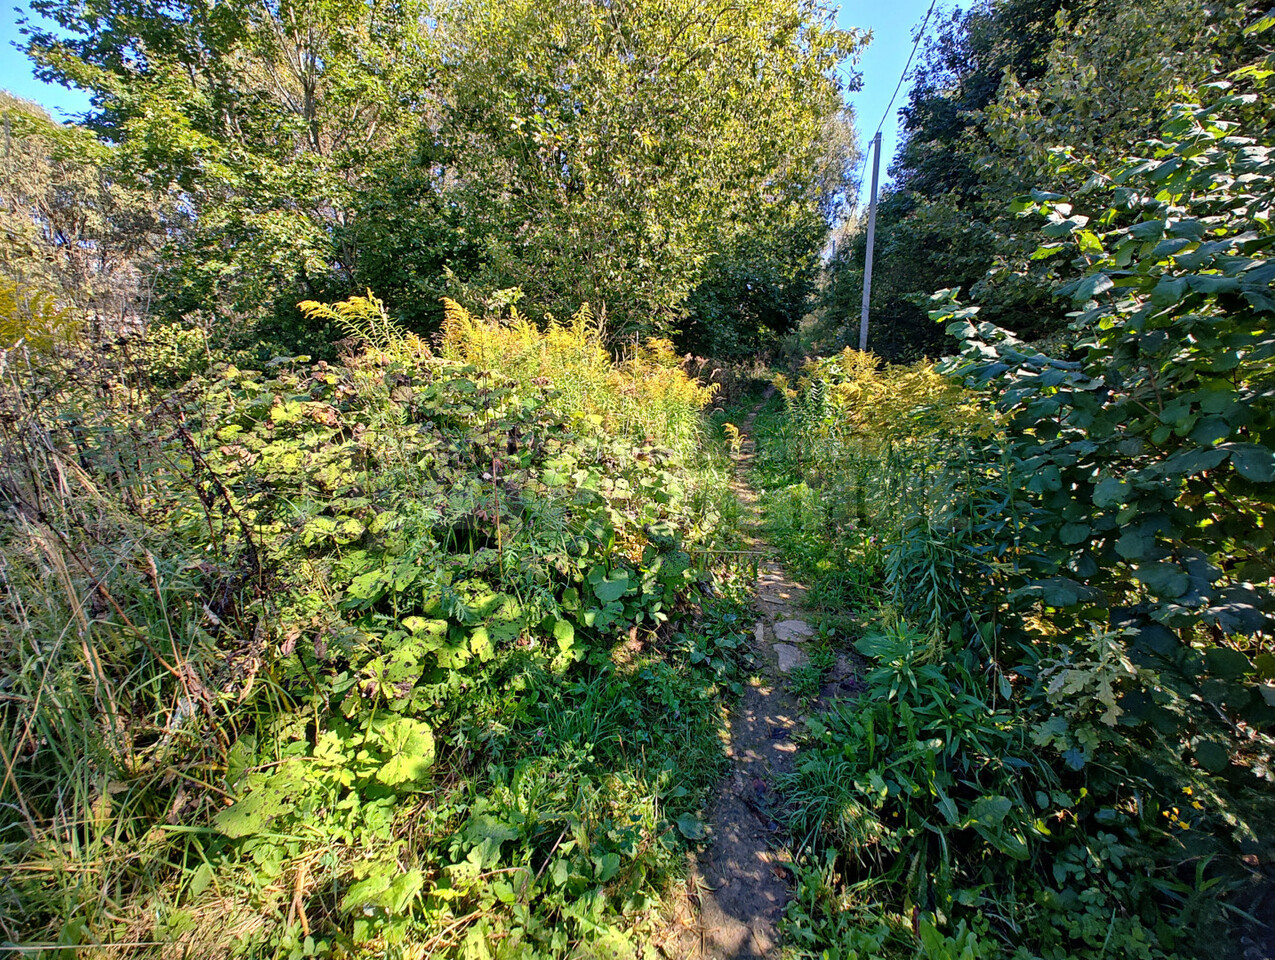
903,76
862,160
875,146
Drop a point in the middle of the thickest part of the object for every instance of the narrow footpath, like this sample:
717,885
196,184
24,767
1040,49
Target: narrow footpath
742,880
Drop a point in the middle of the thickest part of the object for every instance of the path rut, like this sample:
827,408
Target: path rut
741,881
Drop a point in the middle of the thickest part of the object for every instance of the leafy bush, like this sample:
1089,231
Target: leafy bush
932,796
346,656
1148,464
1064,748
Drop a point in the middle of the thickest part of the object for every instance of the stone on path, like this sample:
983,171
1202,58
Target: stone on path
741,878
793,631
790,657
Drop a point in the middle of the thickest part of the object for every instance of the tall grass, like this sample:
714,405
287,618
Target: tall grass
118,600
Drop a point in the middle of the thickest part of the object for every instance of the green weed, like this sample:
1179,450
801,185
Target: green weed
987,794
402,654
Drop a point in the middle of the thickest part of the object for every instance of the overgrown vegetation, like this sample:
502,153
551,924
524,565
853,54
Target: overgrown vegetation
1064,746
1000,85
420,644
402,653
675,166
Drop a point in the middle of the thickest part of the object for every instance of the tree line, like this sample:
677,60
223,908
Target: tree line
673,163
1001,88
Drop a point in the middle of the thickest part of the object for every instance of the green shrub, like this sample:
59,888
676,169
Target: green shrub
319,658
1066,738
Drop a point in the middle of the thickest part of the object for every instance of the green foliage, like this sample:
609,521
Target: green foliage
254,129
931,792
872,496
1001,85
323,659
1150,452
579,190
306,151
1065,742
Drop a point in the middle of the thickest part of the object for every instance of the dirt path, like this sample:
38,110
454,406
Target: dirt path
742,879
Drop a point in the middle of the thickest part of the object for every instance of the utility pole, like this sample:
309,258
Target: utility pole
872,236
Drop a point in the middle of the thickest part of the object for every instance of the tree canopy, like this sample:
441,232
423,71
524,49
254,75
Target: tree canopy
663,161
1000,86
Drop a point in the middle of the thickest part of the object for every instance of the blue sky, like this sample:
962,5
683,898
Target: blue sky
892,23
15,75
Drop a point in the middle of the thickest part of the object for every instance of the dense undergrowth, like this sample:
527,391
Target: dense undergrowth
408,655
1062,565
1004,784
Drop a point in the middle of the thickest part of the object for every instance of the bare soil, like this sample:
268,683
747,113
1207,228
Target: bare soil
740,884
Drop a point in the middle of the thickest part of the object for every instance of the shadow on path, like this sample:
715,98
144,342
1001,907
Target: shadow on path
741,881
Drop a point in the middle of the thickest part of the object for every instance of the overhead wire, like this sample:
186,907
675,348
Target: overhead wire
920,34
904,75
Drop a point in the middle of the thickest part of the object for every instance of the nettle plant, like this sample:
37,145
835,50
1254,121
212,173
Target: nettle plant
1146,455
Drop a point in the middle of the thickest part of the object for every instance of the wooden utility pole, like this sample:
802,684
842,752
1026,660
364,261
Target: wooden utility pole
872,236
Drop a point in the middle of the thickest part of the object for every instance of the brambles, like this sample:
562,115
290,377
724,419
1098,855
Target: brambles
355,655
